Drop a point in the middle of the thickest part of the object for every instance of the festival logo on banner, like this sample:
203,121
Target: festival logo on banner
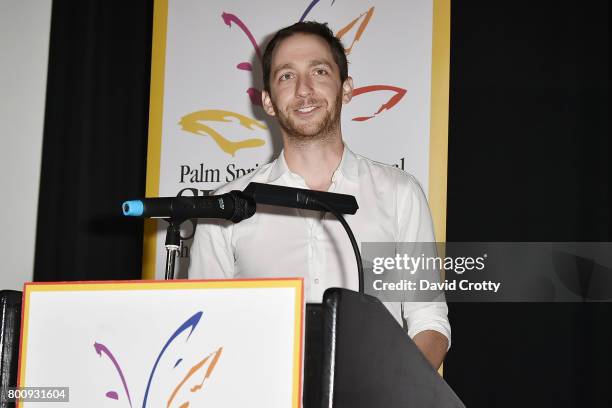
192,382
199,122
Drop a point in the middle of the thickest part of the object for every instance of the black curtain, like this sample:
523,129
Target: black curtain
529,160
95,138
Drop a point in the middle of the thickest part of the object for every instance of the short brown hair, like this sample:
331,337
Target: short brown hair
306,27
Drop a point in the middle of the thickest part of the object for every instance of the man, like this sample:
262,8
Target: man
306,83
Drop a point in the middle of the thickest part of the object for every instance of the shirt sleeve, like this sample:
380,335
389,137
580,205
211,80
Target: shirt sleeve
415,225
211,254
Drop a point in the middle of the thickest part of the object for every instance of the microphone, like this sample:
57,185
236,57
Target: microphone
234,206
301,198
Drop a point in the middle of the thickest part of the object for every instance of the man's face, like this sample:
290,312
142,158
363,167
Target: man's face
305,90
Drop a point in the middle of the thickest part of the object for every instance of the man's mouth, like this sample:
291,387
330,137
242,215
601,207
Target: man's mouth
307,109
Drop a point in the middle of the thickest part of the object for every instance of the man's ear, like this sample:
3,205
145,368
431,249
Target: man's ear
347,90
266,101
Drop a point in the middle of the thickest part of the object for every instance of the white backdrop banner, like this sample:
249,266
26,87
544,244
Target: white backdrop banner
174,344
207,126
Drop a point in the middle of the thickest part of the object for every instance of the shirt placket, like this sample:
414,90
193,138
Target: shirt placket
315,232
311,280
318,259
318,241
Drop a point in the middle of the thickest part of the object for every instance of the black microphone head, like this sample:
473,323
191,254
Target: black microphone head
244,206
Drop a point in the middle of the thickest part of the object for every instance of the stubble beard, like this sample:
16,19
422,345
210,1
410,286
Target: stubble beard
323,129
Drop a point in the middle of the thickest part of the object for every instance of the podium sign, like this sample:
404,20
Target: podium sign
164,343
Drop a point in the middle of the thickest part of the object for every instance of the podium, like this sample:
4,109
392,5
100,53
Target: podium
358,356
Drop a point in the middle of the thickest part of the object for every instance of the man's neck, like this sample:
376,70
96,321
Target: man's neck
315,161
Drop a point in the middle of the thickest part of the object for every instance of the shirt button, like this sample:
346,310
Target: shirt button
316,280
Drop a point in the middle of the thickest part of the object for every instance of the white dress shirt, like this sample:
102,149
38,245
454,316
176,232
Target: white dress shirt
282,242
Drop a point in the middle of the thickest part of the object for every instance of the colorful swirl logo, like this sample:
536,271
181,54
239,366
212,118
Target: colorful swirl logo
193,380
199,122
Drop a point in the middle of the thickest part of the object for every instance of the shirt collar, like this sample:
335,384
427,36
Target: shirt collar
347,168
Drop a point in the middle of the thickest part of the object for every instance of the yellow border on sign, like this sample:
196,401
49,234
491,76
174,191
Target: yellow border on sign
293,283
438,138
156,110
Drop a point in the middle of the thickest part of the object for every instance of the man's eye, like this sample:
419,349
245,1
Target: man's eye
285,76
321,71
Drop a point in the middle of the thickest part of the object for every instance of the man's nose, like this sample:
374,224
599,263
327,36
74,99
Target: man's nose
304,86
